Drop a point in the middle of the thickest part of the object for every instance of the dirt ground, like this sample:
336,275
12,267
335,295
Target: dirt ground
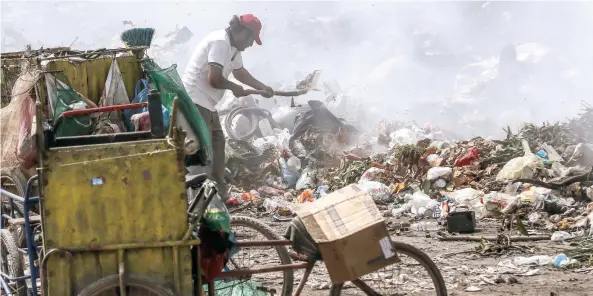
462,267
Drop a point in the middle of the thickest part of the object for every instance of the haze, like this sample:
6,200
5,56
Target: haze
394,60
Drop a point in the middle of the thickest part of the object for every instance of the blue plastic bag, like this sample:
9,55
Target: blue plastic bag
141,96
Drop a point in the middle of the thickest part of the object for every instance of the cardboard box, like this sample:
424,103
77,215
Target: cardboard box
350,231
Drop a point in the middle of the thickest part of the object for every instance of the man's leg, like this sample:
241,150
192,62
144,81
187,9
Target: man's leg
217,167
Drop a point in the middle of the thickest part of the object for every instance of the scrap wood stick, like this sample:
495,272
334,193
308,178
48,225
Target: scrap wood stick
492,238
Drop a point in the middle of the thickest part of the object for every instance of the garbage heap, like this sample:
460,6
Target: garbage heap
541,173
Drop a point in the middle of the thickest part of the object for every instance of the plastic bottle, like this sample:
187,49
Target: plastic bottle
426,226
561,260
289,177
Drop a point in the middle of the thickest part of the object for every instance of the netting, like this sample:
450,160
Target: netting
11,116
169,84
67,99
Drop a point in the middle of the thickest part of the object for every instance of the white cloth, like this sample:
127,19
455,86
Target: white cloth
214,49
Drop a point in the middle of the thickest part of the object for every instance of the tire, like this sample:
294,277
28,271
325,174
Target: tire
16,177
422,258
11,262
111,283
268,233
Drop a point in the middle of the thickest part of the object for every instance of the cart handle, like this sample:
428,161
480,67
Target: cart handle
87,111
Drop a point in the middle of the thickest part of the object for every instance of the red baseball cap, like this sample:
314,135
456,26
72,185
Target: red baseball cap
253,23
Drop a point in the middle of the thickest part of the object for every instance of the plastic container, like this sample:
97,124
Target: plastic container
561,261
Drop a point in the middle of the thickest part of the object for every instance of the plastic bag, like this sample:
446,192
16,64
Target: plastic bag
520,167
377,190
370,175
266,143
467,196
140,96
26,149
467,159
421,203
289,177
438,172
306,181
294,164
217,216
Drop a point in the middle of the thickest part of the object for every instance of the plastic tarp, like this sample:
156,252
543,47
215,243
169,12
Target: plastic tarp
114,93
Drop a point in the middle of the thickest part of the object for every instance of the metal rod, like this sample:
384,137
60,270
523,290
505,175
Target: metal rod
12,279
5,287
176,278
131,246
247,272
88,111
301,285
44,288
29,235
201,210
270,243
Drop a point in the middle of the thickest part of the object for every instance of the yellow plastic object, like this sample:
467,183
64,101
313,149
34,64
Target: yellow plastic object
105,202
88,77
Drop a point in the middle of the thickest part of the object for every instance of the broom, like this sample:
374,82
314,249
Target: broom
137,37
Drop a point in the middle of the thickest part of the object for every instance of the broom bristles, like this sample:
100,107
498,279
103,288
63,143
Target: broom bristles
137,37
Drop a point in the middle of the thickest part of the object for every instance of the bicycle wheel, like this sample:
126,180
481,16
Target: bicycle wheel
136,285
14,182
413,282
10,262
249,229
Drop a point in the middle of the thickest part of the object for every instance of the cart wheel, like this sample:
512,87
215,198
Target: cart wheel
15,182
136,285
10,262
249,229
422,274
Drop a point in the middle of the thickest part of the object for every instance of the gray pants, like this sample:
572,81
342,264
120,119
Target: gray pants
217,168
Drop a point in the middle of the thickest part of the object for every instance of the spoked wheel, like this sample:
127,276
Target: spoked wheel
416,274
136,285
13,181
10,262
249,229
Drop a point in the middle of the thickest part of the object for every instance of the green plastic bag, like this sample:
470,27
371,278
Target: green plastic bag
66,100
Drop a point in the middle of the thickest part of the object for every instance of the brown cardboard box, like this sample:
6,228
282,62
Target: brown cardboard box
350,231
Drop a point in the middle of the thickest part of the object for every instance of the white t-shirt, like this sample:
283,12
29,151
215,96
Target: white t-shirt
216,49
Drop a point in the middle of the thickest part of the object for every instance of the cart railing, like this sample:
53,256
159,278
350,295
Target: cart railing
28,201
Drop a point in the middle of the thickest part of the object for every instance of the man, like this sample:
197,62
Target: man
205,80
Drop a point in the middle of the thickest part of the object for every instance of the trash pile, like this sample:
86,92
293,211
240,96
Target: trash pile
539,174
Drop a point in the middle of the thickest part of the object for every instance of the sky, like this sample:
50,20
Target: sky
430,62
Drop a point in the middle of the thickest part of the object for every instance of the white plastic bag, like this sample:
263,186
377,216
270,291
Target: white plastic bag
370,174
377,190
266,143
467,196
422,202
283,140
438,172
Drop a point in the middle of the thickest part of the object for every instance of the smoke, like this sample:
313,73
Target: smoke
437,62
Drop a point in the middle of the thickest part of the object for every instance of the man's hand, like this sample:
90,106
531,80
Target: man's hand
269,92
238,91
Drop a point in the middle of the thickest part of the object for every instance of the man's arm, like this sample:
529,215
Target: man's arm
216,79
245,77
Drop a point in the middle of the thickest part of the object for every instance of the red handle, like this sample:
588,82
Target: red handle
87,111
